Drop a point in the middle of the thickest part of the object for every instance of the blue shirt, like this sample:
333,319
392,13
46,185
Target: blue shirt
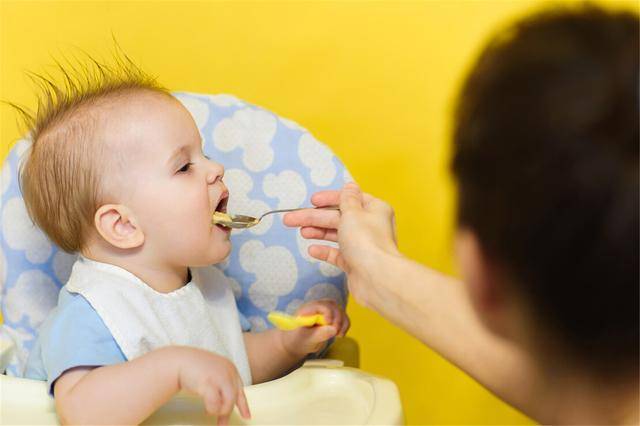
74,335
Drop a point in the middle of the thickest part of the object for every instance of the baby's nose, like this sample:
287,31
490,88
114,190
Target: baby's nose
216,172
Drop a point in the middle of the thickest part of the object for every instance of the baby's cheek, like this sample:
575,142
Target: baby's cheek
196,219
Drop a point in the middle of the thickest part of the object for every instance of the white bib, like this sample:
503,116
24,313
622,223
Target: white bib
201,314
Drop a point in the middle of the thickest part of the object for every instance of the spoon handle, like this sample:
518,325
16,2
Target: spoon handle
301,208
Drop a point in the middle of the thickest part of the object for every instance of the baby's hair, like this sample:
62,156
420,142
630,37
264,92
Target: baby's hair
60,175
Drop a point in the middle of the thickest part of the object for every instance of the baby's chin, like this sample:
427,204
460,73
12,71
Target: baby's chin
217,252
207,249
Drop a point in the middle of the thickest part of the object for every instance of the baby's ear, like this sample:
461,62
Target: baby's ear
118,226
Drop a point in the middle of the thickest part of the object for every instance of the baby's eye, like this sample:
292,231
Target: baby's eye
185,168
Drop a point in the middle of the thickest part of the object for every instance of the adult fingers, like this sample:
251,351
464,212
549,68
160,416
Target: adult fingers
311,217
376,204
350,198
327,254
325,198
332,198
367,198
313,233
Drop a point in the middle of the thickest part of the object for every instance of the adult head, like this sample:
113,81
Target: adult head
546,162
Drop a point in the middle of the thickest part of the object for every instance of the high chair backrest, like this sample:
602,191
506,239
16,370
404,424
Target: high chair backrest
270,163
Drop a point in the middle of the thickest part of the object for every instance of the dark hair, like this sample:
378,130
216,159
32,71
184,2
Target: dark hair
546,160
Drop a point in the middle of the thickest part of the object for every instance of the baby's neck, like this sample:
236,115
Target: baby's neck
162,277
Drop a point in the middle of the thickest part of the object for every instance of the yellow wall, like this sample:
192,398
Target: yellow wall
374,80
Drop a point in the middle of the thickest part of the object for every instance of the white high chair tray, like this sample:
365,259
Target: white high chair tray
321,392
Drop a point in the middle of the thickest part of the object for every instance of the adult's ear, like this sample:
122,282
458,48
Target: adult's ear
485,283
118,226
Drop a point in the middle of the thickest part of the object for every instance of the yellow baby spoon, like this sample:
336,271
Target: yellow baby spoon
289,322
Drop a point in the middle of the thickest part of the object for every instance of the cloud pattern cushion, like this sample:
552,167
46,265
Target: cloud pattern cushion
270,162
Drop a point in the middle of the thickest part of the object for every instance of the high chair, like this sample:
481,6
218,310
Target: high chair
270,162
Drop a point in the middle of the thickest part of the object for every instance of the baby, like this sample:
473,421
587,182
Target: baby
116,173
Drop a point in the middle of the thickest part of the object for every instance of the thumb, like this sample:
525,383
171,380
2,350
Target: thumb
350,198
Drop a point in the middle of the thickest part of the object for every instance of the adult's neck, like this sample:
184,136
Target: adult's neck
572,397
157,274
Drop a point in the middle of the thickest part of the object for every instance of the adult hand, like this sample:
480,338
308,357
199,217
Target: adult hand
364,229
427,304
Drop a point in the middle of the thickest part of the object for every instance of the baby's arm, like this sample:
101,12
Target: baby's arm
129,392
273,353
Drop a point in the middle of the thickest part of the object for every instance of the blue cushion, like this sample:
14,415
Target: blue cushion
270,163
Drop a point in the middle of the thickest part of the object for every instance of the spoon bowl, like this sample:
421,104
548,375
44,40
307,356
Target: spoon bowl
239,221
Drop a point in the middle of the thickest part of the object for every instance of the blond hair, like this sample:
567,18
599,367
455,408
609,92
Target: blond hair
60,176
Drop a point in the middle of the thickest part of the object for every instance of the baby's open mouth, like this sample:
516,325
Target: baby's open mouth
222,203
221,209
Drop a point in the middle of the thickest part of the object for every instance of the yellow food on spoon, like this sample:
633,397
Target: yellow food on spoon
288,322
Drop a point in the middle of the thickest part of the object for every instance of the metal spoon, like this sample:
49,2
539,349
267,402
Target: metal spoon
238,221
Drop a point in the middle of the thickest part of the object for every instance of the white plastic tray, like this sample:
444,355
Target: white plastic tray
321,392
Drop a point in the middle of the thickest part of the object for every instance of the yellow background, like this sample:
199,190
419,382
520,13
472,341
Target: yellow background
374,80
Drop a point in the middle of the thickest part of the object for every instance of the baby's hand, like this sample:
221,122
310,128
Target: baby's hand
216,380
306,340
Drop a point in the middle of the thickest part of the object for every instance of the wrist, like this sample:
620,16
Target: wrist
288,347
375,260
380,280
173,360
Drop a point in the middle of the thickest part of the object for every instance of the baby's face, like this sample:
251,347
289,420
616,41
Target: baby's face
167,182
